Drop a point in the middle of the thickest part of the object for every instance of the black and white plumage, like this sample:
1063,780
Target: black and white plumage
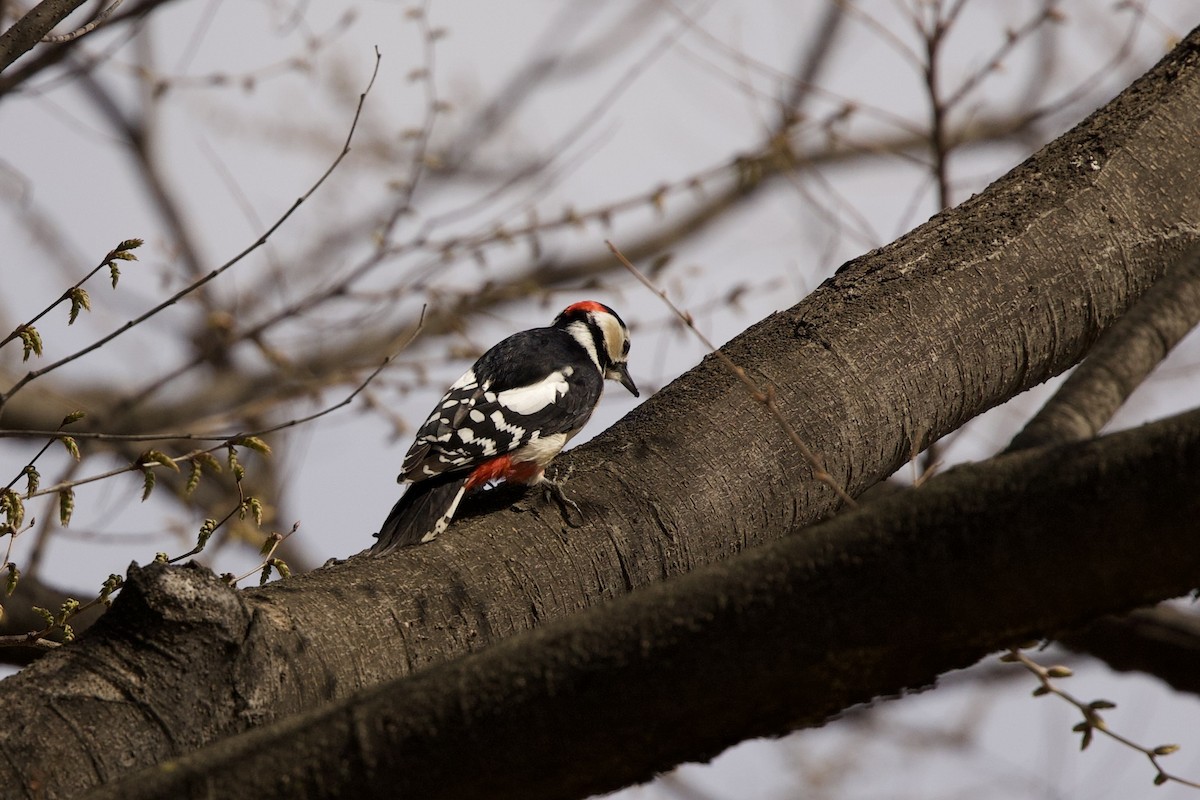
507,417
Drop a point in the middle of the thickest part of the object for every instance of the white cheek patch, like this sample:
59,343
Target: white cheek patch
533,398
581,333
614,337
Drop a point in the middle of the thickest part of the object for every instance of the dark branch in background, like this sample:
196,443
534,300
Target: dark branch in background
46,57
813,59
28,31
1162,641
598,689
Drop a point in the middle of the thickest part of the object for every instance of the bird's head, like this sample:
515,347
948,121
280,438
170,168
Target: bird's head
605,337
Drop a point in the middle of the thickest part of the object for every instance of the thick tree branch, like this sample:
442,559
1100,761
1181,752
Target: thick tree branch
900,347
1121,360
873,602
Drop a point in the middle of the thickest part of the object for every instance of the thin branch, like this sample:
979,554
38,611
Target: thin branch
1092,720
221,437
216,272
96,22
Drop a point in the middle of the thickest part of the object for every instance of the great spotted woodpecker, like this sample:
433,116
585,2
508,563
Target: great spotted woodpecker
507,417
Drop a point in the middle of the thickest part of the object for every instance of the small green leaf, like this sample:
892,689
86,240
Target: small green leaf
254,443
158,457
1059,671
129,244
68,633
74,416
193,478
235,466
33,479
110,585
1161,750
266,574
256,509
284,570
71,445
148,481
69,607
13,508
206,532
1160,779
1087,738
114,272
161,558
66,505
209,461
31,341
1100,705
45,615
270,543
1041,690
14,576
80,301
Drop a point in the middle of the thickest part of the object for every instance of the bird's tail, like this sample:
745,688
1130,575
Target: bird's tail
421,513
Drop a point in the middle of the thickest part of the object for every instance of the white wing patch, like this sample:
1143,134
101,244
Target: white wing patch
536,396
467,380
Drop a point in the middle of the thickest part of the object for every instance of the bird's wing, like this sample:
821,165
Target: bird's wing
479,418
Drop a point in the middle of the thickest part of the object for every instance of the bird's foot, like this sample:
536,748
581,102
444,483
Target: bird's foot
554,490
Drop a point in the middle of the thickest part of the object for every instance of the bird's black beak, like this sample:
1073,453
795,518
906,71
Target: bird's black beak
622,371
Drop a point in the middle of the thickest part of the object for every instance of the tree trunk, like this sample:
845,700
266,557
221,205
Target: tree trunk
900,347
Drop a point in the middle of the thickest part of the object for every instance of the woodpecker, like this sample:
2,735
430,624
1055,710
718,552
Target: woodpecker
507,417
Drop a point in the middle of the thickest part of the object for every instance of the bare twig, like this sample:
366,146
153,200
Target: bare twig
1092,720
192,287
95,22
222,438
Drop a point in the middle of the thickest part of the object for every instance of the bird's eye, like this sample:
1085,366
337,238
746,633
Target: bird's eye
625,348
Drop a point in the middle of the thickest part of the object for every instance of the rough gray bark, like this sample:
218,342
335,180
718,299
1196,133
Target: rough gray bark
900,347
869,603
1121,360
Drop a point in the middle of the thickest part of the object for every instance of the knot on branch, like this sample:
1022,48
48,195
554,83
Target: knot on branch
190,595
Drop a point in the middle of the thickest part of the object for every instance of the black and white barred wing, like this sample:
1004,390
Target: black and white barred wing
477,420
438,447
